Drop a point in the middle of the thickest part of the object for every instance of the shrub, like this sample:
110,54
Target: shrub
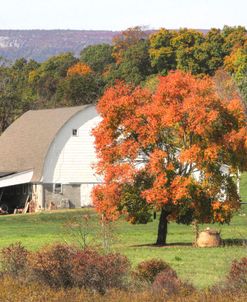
53,265
169,283
92,270
149,269
65,266
14,259
238,273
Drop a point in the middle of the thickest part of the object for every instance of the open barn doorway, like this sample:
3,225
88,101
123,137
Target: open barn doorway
13,198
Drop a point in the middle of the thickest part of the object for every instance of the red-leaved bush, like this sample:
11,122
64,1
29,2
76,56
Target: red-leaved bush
149,269
238,272
100,272
64,266
13,259
168,283
53,265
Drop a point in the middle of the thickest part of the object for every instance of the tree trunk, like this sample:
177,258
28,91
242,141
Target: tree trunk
196,230
162,229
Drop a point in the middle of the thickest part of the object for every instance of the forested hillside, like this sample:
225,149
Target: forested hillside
134,56
39,45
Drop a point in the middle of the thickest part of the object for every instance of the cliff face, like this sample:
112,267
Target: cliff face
41,44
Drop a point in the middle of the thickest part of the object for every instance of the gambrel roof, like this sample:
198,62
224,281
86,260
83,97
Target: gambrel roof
25,143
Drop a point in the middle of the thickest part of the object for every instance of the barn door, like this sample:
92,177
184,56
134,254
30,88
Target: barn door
85,194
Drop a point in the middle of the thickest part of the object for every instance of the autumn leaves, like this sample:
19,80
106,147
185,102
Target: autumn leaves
176,139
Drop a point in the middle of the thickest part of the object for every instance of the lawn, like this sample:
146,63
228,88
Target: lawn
203,267
243,187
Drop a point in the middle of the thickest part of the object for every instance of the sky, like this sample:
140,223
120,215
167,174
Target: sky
119,15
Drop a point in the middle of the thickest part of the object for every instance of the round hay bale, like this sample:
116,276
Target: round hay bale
208,238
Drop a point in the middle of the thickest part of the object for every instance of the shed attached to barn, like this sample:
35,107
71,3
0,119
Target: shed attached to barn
47,156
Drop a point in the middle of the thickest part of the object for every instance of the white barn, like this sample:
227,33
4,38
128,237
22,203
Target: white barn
47,156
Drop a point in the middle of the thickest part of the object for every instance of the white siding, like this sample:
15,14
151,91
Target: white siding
70,158
85,194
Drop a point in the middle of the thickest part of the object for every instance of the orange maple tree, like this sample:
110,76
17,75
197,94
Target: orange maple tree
174,150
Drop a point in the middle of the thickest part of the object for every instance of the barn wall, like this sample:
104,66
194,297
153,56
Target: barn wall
68,198
37,193
70,158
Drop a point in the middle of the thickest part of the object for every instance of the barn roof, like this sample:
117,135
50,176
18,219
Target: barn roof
25,143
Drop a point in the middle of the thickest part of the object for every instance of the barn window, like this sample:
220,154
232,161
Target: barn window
74,132
57,188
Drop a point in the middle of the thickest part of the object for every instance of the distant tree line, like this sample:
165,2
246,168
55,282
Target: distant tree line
133,57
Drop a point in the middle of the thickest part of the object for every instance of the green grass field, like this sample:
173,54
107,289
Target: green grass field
243,186
203,267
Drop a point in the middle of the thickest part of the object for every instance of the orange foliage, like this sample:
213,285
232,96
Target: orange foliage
182,129
80,69
105,200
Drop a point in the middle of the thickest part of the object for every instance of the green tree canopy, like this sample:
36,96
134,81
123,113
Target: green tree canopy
98,57
45,79
162,52
134,66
